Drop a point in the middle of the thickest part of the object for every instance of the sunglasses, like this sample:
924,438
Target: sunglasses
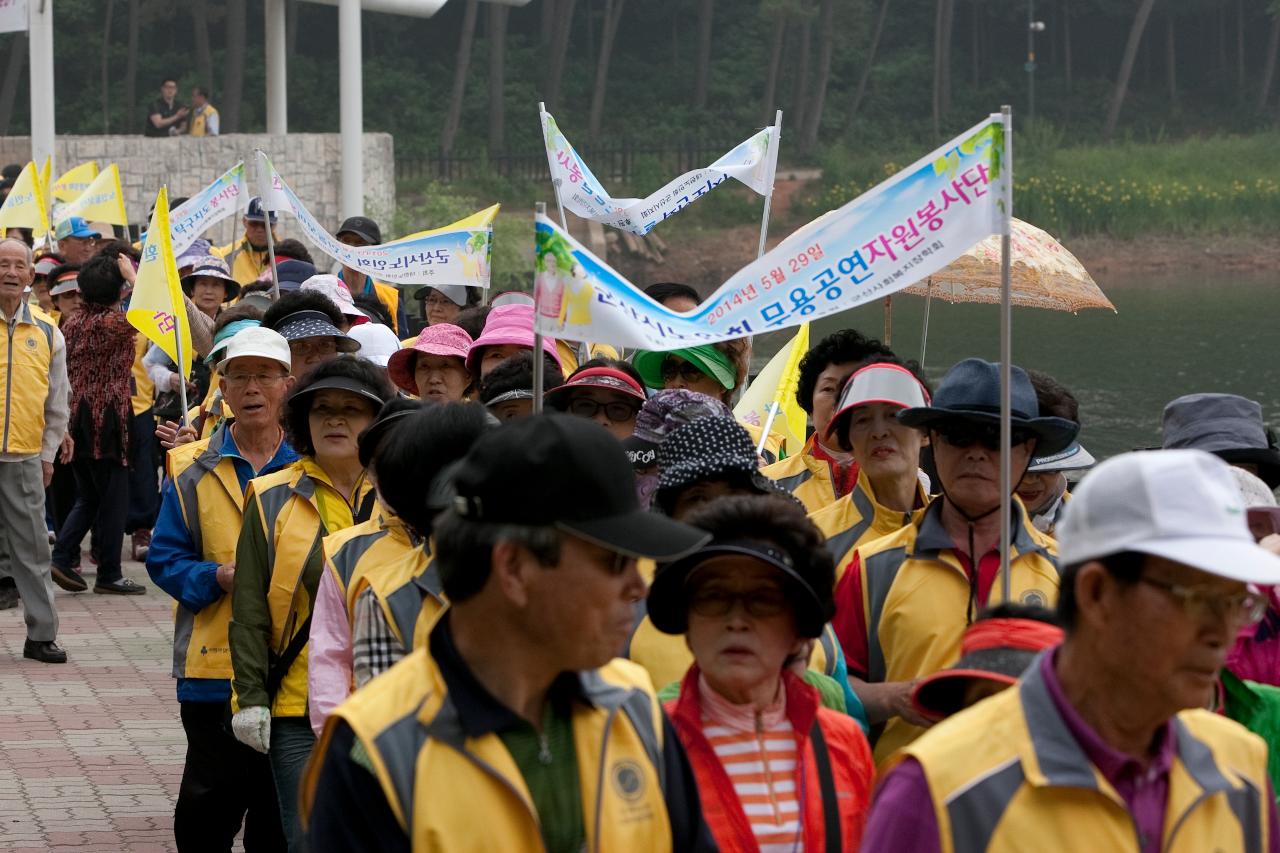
965,435
671,368
618,412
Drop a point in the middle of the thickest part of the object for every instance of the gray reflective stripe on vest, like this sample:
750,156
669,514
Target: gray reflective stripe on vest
405,604
839,544
878,574
795,481
830,648
1246,802
272,502
351,552
977,808
187,485
398,745
184,622
1246,805
637,707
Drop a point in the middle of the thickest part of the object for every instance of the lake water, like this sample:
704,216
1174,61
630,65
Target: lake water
1170,335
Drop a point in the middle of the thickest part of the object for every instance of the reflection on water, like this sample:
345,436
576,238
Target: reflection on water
1172,335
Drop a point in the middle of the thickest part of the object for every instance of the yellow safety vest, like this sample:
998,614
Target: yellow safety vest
211,502
407,589
246,262
293,505
806,477
915,597
858,518
1006,775
144,390
199,118
666,657
571,351
442,785
26,354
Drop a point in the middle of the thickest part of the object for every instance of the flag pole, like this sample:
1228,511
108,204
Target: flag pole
539,363
773,175
1006,350
768,424
271,242
924,335
542,110
177,333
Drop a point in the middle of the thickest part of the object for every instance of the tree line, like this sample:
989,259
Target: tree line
869,74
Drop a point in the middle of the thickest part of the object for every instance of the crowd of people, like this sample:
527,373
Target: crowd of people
417,608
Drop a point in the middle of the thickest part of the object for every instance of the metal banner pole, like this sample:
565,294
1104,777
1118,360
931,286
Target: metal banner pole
773,175
539,362
924,335
271,242
542,110
1006,351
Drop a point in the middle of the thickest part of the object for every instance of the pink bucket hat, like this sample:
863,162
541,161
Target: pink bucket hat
510,324
443,339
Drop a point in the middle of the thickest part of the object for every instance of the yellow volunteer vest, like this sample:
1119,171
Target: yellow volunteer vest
1007,775
144,390
246,262
858,518
26,354
200,119
294,504
442,785
407,589
570,354
666,657
806,477
212,504
915,599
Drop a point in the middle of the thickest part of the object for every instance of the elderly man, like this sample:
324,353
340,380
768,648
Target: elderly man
515,691
248,257
76,240
904,601
33,356
1105,743
363,231
192,558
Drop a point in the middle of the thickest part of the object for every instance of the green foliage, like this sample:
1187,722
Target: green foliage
1219,184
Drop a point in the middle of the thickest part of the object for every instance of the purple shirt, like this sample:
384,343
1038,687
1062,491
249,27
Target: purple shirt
902,816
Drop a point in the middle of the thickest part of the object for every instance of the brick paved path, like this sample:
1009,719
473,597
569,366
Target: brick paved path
91,751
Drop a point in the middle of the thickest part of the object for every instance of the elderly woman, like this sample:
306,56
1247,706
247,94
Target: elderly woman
279,563
606,390
718,370
508,331
312,325
435,367
443,303
776,770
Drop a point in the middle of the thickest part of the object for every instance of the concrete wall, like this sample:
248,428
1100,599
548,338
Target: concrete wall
308,161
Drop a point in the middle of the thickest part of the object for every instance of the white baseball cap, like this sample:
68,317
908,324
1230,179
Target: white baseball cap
377,342
1182,505
256,341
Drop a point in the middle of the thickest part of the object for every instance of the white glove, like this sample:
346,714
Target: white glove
252,727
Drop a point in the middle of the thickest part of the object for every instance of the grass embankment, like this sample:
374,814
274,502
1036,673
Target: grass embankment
1217,185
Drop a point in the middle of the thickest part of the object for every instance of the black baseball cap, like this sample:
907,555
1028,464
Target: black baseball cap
566,472
363,227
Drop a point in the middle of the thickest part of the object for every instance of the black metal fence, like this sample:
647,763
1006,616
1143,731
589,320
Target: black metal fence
609,162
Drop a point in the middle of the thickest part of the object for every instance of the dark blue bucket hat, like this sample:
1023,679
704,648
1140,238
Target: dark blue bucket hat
971,392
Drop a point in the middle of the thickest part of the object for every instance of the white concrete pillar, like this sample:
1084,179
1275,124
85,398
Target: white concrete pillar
277,69
351,105
41,59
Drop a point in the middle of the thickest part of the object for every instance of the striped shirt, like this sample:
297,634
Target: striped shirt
758,752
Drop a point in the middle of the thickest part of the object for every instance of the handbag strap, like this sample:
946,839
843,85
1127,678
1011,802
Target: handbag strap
280,667
827,784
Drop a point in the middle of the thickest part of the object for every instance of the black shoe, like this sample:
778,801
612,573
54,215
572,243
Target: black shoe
123,586
8,597
45,651
68,579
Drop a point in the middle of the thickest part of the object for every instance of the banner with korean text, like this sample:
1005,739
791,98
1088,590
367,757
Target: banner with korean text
895,234
455,254
226,196
582,194
72,183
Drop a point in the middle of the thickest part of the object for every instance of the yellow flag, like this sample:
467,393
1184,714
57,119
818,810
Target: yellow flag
102,200
74,182
25,206
156,308
479,219
776,384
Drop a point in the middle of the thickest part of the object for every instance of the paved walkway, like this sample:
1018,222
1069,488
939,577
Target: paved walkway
91,751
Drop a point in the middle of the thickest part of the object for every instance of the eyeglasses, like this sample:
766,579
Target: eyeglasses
435,301
760,603
964,435
1245,609
262,380
618,412
671,368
